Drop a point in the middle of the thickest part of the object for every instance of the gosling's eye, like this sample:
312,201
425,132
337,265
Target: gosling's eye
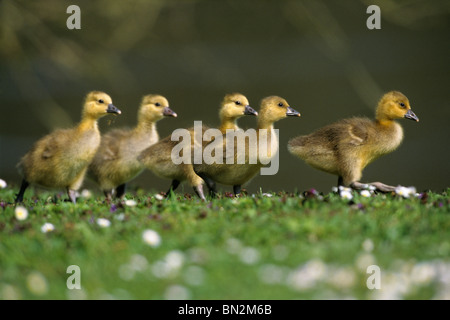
280,104
101,101
157,104
402,105
237,103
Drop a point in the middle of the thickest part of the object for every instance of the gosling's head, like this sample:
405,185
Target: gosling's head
235,105
154,107
394,105
275,108
97,104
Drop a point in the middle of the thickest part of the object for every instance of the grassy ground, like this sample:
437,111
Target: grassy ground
265,246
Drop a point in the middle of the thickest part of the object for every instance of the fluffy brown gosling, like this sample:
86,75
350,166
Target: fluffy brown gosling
346,147
157,157
115,162
60,159
272,109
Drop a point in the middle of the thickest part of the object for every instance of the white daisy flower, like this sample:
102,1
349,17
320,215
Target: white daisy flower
194,275
37,283
85,193
104,223
151,238
249,255
174,259
307,275
405,192
2,184
21,213
130,203
365,193
368,245
47,227
177,292
119,217
346,194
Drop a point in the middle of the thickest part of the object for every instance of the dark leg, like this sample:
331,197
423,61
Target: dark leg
173,187
340,182
237,189
23,187
210,183
120,190
72,195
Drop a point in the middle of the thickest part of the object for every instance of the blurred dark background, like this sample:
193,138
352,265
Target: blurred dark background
318,55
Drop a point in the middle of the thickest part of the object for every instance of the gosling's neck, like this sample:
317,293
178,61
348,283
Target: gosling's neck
382,119
146,127
264,123
384,122
145,132
228,123
265,136
389,135
88,123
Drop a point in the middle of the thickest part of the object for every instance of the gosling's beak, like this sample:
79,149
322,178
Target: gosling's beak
410,115
112,109
292,112
250,111
169,112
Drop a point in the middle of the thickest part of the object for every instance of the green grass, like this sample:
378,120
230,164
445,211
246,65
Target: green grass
286,246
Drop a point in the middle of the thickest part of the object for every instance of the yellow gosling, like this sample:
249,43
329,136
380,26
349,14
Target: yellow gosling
230,172
157,157
115,162
60,159
346,147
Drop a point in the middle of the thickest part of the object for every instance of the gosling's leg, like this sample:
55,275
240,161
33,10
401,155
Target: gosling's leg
23,187
210,183
340,182
72,195
120,190
237,189
382,187
351,174
199,191
378,186
75,185
173,186
195,181
108,194
359,186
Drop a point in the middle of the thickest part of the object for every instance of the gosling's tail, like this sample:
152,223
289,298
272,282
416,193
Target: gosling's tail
296,145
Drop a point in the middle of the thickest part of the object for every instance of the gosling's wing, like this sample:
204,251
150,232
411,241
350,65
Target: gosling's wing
110,147
48,148
355,131
159,152
326,141
51,145
108,150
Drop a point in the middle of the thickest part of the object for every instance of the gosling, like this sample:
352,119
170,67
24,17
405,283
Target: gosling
60,159
115,162
157,157
346,147
230,171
